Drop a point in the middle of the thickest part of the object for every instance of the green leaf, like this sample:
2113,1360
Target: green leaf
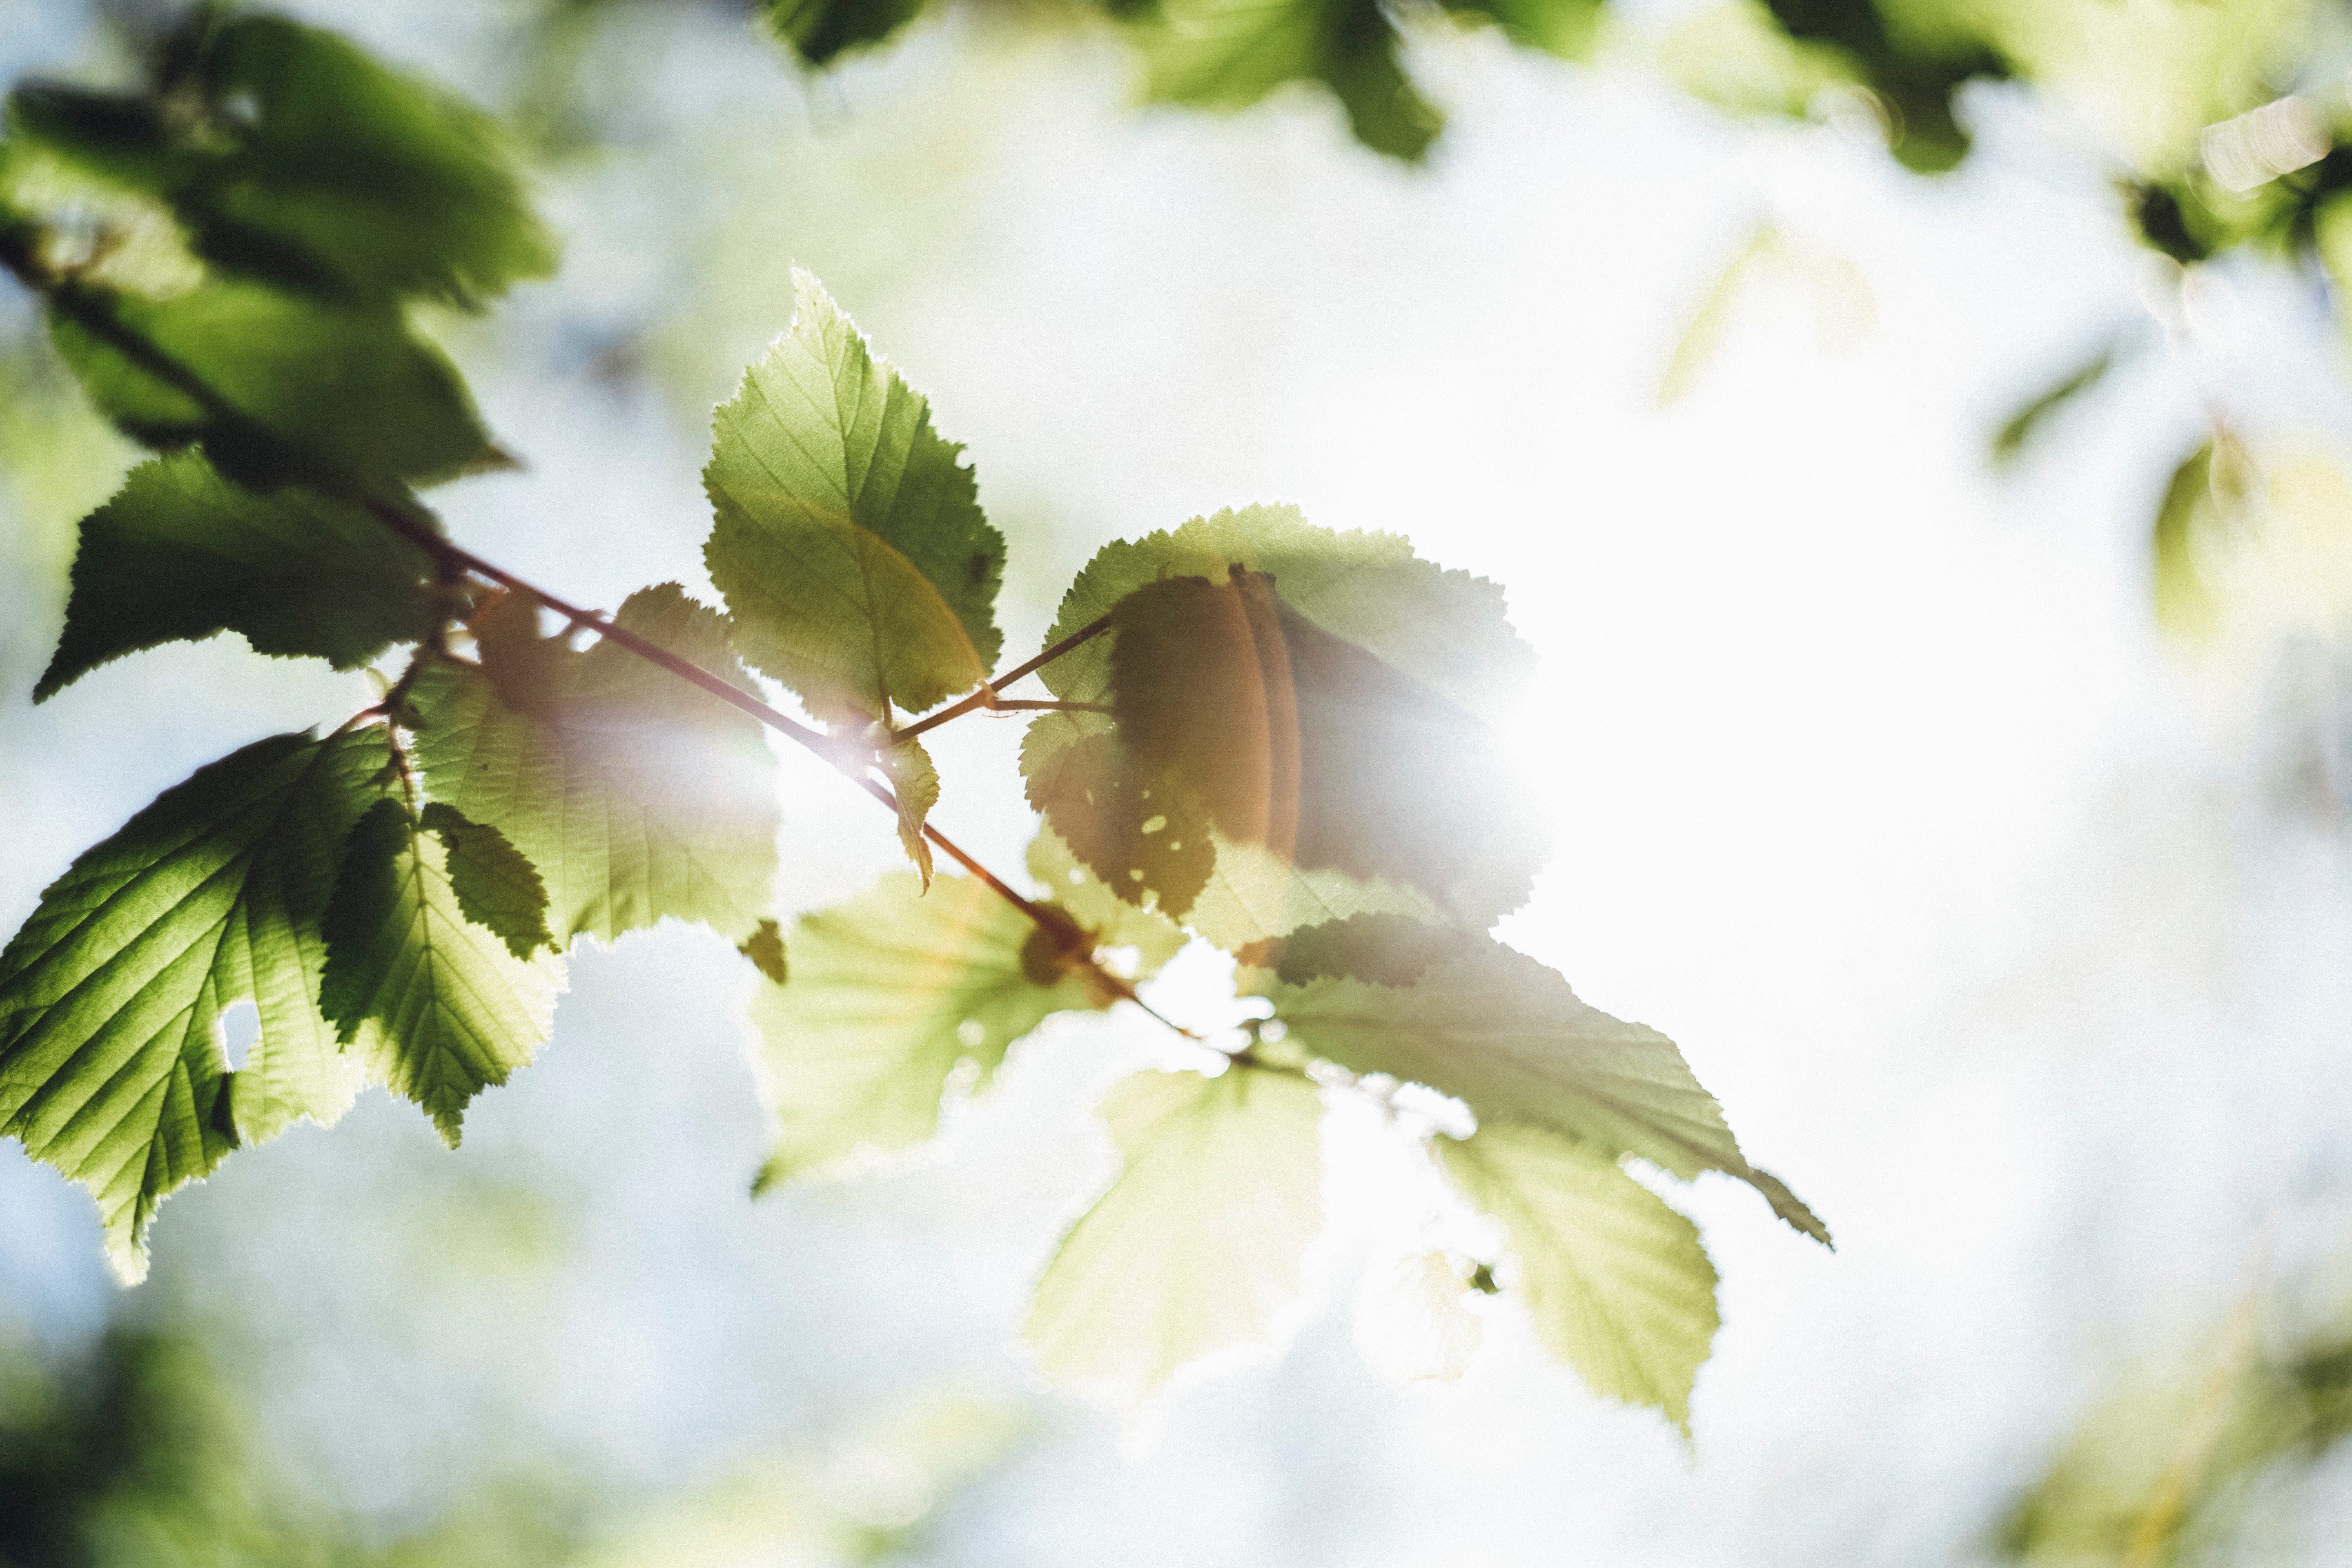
891,994
1387,949
1568,28
111,1063
1230,54
293,155
1147,842
1300,740
2026,421
642,798
1705,334
520,665
437,1005
1617,1283
1444,629
766,949
849,541
1506,1035
1199,1246
180,553
277,386
916,783
496,888
2201,507
1109,920
820,31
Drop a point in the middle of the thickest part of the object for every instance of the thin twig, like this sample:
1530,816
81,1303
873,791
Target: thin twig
986,696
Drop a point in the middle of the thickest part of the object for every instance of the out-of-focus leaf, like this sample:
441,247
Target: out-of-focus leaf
1567,28
1111,920
1617,1283
292,154
1842,310
820,31
1700,339
112,1064
916,783
276,386
849,541
1915,56
180,553
642,798
523,667
1229,54
1506,1035
496,888
1444,629
1410,1323
2193,525
2022,426
892,993
1300,740
437,1005
1198,1247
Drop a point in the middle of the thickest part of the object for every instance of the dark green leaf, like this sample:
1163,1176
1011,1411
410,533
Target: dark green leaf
496,888
181,553
277,386
112,1064
435,1002
641,798
821,30
293,155
849,541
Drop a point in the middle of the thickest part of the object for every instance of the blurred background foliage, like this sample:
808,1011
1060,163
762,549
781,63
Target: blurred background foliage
2053,1102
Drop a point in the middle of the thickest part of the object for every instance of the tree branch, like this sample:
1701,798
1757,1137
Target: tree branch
986,696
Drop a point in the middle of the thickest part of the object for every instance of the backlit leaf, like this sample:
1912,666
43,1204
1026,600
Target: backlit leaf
766,949
435,1002
1506,1035
1302,742
1410,1323
2194,528
1231,53
641,799
496,888
111,1063
890,993
181,553
1445,630
849,541
916,783
1111,920
1199,1246
276,386
1617,1283
291,153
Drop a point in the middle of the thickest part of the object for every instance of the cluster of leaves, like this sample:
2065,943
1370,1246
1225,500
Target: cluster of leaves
1261,734
1910,56
2190,1462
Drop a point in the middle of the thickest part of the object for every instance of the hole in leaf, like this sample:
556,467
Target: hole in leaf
239,1026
